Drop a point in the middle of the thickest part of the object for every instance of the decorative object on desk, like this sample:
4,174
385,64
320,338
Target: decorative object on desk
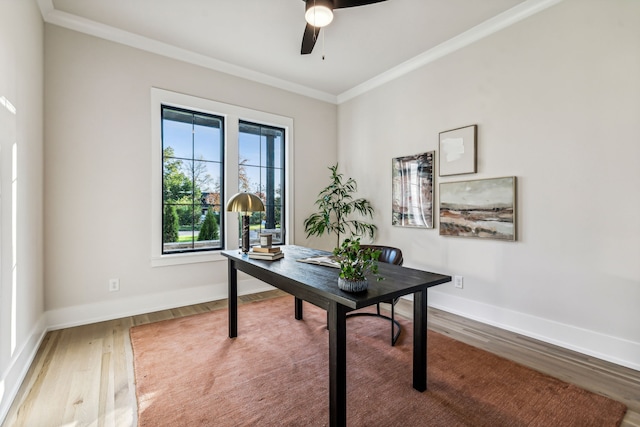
484,208
335,203
325,260
458,151
268,250
354,263
266,239
269,256
271,253
412,188
245,203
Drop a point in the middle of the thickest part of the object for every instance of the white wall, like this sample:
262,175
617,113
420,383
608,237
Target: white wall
98,174
557,101
21,227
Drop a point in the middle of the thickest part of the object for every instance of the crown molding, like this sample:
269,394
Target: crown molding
488,27
96,29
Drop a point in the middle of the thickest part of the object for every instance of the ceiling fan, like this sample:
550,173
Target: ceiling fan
319,13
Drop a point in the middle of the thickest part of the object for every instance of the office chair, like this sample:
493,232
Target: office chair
390,255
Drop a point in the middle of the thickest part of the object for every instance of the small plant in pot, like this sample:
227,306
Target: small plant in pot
355,263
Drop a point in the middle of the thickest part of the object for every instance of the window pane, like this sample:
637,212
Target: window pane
207,139
260,172
175,184
192,180
207,176
177,134
209,227
249,146
271,147
250,181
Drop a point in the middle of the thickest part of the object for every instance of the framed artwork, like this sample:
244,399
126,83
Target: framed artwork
412,187
458,151
484,208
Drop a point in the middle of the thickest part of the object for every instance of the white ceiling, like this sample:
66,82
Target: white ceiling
260,39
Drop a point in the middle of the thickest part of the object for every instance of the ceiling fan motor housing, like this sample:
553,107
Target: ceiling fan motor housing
319,13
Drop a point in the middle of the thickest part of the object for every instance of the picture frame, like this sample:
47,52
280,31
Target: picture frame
483,208
412,188
458,151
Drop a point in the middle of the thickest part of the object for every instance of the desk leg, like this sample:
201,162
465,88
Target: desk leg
233,299
337,365
298,309
420,340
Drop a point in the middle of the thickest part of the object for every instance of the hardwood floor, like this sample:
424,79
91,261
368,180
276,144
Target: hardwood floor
83,376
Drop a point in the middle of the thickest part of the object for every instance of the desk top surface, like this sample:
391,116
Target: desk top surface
318,284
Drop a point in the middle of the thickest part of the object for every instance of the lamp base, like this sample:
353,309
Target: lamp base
245,233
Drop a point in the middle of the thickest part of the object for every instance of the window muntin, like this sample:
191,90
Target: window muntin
261,171
192,183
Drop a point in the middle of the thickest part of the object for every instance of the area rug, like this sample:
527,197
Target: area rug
275,373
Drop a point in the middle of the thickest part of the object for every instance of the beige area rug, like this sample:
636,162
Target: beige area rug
275,373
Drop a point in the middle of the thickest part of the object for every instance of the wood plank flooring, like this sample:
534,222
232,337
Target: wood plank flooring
83,376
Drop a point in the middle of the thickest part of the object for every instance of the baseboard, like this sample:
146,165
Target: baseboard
67,317
12,377
115,309
619,351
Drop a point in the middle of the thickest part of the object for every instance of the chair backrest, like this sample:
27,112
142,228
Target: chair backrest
389,254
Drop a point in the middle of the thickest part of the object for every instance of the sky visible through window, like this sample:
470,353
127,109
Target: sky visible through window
205,148
206,145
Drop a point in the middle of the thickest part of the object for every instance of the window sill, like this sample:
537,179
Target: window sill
188,258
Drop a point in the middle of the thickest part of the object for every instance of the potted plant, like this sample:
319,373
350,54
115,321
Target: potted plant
335,204
355,263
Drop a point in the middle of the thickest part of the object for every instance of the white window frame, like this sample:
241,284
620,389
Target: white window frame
232,114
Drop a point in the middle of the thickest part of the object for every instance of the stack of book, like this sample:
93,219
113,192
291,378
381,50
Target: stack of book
269,253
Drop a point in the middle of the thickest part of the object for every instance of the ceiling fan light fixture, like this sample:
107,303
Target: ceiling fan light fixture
318,13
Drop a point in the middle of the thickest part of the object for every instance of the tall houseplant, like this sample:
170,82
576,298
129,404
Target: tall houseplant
335,204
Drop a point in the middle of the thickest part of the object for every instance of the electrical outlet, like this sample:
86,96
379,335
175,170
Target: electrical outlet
114,285
457,281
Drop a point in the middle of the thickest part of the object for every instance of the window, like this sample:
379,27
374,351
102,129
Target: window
203,152
192,180
261,171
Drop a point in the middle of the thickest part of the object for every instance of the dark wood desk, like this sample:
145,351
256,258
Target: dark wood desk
319,286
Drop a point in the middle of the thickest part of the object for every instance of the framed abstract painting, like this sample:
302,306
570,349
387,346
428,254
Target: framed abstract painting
458,151
412,188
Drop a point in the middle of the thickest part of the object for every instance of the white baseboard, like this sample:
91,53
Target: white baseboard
67,317
115,309
12,377
612,349
618,351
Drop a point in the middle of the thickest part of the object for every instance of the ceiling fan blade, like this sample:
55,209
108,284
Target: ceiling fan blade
309,39
341,4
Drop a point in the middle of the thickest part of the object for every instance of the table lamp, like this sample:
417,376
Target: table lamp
245,203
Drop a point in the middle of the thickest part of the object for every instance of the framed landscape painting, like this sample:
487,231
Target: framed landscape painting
484,208
412,187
